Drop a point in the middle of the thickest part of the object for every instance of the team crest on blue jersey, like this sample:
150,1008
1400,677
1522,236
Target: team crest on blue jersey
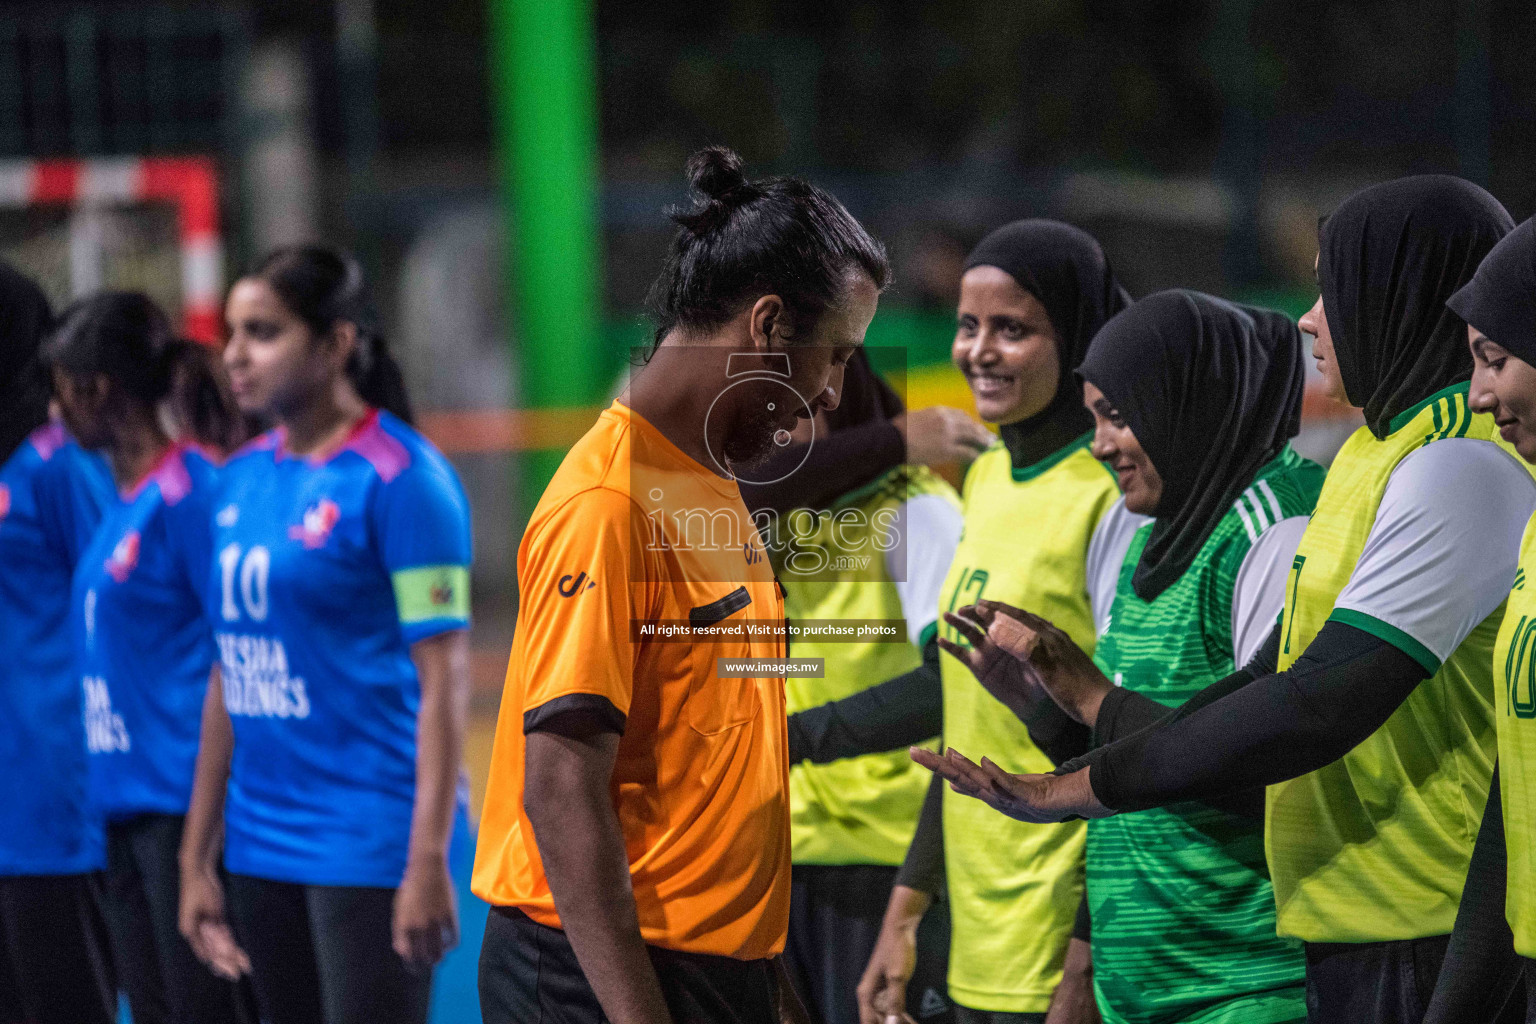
228,516
124,557
318,523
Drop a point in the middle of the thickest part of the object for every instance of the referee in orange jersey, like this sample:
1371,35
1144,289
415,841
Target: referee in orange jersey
635,839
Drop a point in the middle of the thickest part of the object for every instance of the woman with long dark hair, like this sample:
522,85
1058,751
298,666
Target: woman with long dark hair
144,648
339,596
55,964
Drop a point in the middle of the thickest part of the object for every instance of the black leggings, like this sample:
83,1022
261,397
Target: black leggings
322,954
164,981
55,966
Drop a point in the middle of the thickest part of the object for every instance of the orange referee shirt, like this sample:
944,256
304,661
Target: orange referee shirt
631,530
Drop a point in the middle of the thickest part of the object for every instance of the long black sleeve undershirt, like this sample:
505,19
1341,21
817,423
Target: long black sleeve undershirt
841,462
901,711
1481,967
923,867
1124,713
1260,732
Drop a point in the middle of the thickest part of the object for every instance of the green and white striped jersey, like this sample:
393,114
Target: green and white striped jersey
1183,911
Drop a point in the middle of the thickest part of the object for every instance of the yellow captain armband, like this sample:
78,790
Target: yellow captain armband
431,592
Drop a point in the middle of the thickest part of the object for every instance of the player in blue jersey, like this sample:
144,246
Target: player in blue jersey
339,594
55,967
143,647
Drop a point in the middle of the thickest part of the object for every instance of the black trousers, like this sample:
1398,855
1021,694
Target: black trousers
529,973
1378,982
966,1015
55,958
835,913
323,954
163,979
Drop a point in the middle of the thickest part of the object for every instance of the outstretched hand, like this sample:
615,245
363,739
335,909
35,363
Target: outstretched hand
1032,798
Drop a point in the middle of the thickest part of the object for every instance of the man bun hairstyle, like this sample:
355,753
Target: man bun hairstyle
739,239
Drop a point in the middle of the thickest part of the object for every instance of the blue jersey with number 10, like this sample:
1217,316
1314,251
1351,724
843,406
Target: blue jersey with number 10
325,571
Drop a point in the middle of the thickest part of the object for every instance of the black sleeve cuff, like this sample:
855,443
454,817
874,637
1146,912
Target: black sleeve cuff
1266,660
592,705
1055,733
923,867
1123,712
1082,928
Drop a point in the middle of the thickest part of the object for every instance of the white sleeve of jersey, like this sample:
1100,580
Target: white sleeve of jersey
927,530
1106,556
1442,553
1258,593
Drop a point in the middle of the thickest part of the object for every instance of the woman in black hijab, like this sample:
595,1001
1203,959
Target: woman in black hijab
1492,945
1375,615
1182,368
1033,295
1064,268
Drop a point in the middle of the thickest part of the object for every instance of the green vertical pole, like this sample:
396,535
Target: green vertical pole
543,70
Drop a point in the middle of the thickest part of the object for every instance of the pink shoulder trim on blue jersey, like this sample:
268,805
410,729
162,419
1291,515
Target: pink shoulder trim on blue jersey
270,441
388,457
170,473
49,438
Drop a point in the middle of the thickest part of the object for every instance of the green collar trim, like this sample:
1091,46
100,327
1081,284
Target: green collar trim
1400,421
1021,474
929,632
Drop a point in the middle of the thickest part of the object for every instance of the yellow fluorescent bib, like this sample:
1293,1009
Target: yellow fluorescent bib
1375,846
860,810
1014,888
1514,678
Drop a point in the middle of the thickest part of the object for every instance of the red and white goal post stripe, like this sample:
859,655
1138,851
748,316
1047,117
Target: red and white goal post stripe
190,184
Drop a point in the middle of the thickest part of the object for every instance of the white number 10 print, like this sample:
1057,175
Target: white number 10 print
253,572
